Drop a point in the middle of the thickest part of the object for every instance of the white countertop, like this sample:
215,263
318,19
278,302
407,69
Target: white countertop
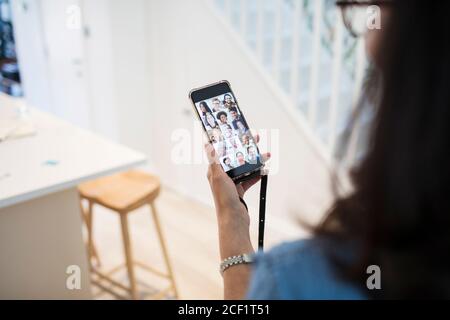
58,156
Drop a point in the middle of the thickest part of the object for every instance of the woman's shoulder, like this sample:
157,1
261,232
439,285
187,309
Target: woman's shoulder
300,270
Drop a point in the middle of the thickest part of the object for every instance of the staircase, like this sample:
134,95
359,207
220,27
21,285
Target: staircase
304,47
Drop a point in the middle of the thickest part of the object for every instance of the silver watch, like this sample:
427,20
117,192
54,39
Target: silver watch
235,260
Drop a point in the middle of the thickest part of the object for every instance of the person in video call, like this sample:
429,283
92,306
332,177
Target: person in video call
240,159
204,109
241,128
210,121
235,142
235,117
222,116
228,102
395,217
232,146
252,155
227,164
216,135
227,131
245,141
216,105
222,149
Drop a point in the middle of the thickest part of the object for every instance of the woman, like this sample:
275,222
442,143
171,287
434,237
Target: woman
210,121
227,131
241,129
204,109
397,215
222,116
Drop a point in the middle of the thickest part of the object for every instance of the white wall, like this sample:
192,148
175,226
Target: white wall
189,48
118,78
100,66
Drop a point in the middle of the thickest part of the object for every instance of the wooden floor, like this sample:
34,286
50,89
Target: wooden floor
191,234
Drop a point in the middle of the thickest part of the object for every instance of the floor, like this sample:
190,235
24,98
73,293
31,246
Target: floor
191,234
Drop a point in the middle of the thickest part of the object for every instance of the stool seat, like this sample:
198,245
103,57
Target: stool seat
122,192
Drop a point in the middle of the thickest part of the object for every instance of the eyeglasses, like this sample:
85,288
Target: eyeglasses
356,13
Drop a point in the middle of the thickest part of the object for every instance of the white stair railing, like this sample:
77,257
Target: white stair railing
304,46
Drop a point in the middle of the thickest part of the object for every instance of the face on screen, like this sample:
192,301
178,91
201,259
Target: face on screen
228,131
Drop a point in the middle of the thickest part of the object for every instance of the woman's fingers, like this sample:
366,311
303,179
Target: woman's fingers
255,136
210,153
214,169
266,156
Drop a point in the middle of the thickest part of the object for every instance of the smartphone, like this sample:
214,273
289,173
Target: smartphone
227,129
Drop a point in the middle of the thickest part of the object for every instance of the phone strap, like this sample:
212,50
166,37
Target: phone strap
262,212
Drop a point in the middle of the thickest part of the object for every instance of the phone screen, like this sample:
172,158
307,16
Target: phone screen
229,133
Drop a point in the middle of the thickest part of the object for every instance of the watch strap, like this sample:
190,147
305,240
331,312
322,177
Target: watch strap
235,260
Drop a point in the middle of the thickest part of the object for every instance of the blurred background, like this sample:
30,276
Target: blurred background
122,69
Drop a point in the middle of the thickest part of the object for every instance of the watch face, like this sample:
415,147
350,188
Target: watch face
247,258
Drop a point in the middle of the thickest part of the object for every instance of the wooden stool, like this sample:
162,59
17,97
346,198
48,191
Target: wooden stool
123,193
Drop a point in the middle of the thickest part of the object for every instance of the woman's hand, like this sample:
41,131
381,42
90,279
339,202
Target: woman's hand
232,216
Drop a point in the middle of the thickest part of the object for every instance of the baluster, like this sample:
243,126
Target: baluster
243,19
277,40
260,13
314,76
336,77
297,15
359,76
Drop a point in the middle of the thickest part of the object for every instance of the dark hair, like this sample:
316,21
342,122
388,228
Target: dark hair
207,123
239,152
205,105
233,109
224,159
398,214
220,114
225,96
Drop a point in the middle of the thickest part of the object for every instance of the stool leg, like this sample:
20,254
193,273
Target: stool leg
128,254
164,249
88,218
89,227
